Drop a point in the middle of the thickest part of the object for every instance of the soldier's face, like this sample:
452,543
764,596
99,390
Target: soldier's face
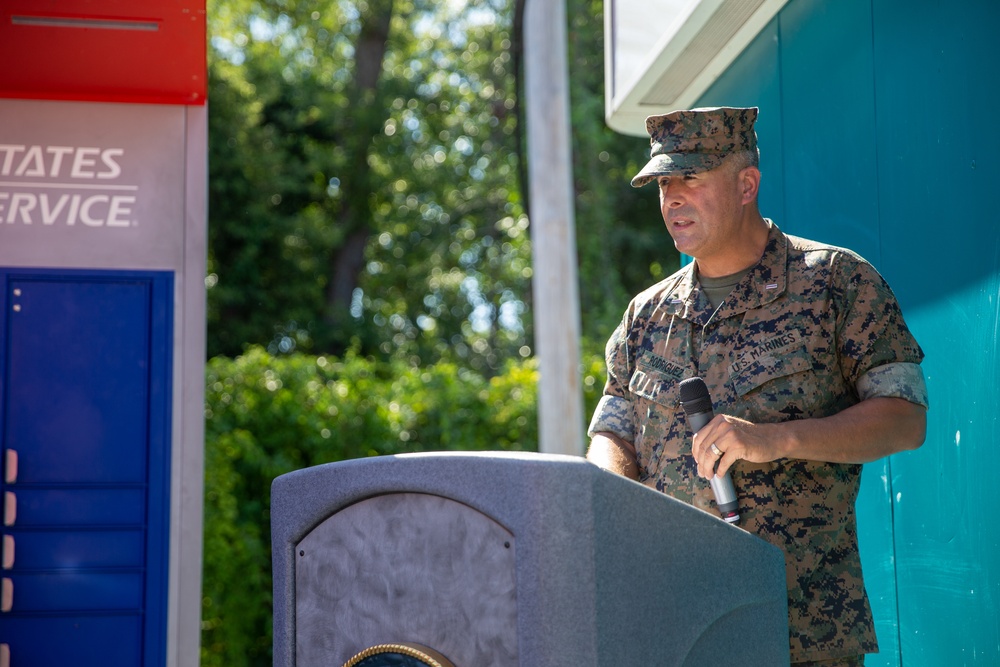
702,212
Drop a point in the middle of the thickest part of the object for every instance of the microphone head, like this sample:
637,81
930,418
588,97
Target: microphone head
694,396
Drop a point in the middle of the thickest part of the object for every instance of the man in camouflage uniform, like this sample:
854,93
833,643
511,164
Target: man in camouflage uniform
808,361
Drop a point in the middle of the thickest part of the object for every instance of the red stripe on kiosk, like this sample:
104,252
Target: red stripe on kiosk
139,51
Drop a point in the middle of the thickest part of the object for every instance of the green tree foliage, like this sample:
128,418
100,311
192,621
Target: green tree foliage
378,208
365,181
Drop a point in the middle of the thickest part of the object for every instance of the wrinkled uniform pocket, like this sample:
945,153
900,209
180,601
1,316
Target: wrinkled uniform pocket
781,386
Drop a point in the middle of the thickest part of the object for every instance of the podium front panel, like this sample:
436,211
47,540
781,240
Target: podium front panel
500,558
406,567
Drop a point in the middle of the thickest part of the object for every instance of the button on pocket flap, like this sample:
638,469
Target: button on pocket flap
771,366
655,386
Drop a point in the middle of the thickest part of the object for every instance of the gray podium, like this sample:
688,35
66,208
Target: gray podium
501,559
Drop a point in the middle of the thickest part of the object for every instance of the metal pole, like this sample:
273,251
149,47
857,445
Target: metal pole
553,240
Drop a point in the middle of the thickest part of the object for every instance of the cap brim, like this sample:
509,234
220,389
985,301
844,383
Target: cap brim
683,164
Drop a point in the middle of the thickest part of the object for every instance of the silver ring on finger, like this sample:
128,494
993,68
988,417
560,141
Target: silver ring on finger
715,450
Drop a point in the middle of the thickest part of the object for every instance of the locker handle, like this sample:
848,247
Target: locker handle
9,508
8,553
6,594
10,467
4,655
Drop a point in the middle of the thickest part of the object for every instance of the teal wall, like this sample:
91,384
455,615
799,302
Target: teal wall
879,131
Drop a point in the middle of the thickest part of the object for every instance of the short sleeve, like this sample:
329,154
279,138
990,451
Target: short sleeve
614,411
871,331
896,380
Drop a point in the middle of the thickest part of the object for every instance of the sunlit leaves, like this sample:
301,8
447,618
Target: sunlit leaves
442,173
423,168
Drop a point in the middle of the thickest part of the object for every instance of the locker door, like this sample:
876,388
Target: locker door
85,441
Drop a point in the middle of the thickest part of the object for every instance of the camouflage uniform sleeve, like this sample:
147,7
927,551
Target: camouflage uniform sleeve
878,354
614,411
896,380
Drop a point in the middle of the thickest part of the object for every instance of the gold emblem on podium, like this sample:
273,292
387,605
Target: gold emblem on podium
404,654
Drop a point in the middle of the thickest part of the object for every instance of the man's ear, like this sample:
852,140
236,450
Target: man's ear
750,182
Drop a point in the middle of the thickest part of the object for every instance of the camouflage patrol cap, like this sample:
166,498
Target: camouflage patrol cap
695,140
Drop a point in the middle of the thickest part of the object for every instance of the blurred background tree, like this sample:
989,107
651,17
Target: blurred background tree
367,181
367,177
369,278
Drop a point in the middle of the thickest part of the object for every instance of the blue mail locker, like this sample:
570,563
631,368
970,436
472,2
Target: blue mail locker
85,426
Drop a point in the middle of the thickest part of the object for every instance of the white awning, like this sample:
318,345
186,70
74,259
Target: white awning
663,54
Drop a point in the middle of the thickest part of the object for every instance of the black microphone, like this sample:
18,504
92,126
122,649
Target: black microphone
697,406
